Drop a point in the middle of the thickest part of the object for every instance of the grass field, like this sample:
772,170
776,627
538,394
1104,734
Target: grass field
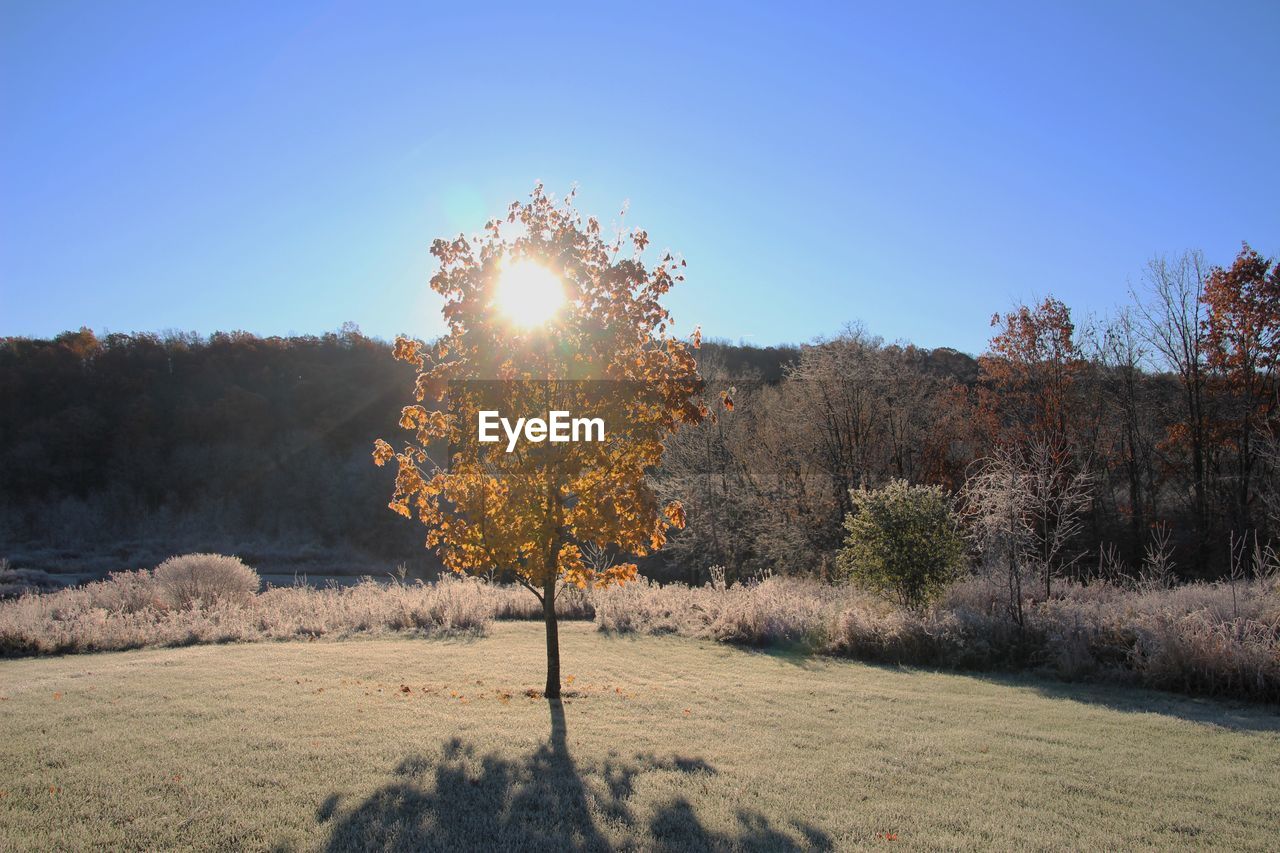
661,743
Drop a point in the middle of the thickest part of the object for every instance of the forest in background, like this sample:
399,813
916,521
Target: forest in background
1143,443
1154,428
117,451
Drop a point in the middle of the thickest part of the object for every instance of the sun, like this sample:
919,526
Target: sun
528,294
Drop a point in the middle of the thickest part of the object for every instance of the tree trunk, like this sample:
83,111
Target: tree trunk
553,637
1195,409
1137,515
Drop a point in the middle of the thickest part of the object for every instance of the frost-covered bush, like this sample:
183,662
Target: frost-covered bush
126,592
201,580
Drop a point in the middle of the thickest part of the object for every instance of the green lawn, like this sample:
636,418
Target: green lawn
662,743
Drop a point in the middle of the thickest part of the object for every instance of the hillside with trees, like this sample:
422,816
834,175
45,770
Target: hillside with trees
1152,435
119,450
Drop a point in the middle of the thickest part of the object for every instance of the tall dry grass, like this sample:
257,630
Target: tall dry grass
129,610
1217,639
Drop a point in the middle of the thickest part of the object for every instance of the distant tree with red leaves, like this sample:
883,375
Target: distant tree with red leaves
1029,372
1242,352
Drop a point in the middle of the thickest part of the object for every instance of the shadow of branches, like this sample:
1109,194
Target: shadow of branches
461,800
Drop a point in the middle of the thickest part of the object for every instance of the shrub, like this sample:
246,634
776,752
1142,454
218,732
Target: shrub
125,592
200,580
902,541
774,612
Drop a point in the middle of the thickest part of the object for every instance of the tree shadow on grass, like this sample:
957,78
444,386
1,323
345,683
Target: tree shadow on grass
461,800
1223,711
799,655
1233,714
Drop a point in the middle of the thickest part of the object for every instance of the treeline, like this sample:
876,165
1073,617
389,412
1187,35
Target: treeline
1145,443
122,449
1147,439
117,451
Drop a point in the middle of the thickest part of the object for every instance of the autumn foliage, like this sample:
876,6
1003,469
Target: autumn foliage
535,514
1029,373
1242,352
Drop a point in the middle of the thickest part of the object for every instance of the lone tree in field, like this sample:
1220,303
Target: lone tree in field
549,317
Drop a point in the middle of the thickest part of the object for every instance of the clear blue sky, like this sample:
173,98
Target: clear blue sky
283,167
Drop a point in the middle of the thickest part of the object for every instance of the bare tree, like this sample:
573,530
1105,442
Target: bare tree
1171,309
1024,510
800,516
910,400
703,468
836,381
996,501
1120,353
1058,499
1269,485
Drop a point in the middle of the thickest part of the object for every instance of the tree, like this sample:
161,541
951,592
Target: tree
997,504
1171,311
1269,491
605,353
1028,375
1024,507
903,541
701,470
836,383
1029,395
1059,496
1125,394
1242,344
